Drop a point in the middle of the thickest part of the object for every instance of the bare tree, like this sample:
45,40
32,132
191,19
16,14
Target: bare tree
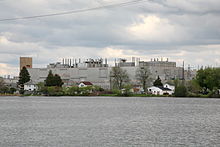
118,77
2,83
143,76
3,87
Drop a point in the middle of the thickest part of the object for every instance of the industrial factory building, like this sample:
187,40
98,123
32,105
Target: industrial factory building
97,71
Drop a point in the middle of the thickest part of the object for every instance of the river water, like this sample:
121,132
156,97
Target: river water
109,122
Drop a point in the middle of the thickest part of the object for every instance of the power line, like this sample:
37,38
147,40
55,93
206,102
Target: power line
76,11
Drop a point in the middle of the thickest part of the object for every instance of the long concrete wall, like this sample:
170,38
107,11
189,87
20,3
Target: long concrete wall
101,75
98,76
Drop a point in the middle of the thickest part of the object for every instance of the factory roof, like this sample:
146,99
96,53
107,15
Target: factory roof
30,83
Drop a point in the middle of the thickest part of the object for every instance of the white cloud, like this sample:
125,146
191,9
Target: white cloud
3,40
6,69
194,56
156,29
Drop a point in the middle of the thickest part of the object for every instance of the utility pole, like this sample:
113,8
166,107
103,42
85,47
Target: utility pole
183,72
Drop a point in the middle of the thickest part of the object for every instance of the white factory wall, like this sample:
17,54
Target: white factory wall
101,75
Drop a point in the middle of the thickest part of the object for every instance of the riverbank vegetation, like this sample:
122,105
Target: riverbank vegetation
205,84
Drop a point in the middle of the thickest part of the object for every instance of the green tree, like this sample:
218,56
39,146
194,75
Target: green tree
180,91
158,82
5,88
2,85
12,90
41,88
176,82
118,77
57,80
193,87
24,77
143,76
97,88
208,78
126,90
54,91
215,93
50,79
53,80
74,90
85,90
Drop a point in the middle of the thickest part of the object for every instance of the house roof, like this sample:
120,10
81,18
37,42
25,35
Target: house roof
86,83
164,88
155,88
30,83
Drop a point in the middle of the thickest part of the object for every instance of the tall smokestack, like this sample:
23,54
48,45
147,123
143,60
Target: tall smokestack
115,62
133,59
183,76
75,63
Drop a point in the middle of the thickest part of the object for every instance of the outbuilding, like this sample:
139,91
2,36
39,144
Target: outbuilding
160,90
30,86
85,84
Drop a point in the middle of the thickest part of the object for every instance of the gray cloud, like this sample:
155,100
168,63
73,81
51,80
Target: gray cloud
180,30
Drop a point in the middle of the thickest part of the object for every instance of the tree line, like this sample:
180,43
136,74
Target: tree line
205,84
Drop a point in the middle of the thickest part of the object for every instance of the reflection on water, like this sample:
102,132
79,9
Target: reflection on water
109,121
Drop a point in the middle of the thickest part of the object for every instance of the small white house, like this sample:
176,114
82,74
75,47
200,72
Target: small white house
30,86
85,84
160,90
155,90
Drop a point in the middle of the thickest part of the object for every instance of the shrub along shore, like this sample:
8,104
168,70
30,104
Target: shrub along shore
97,91
106,94
206,84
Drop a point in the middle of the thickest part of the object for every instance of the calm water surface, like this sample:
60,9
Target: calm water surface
109,122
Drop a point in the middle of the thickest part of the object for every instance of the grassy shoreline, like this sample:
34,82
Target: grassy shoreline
109,95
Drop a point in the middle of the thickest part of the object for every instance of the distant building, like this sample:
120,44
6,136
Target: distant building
124,63
85,84
160,90
25,62
97,71
11,81
165,69
138,89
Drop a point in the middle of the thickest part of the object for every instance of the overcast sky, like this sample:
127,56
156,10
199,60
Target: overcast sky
180,30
